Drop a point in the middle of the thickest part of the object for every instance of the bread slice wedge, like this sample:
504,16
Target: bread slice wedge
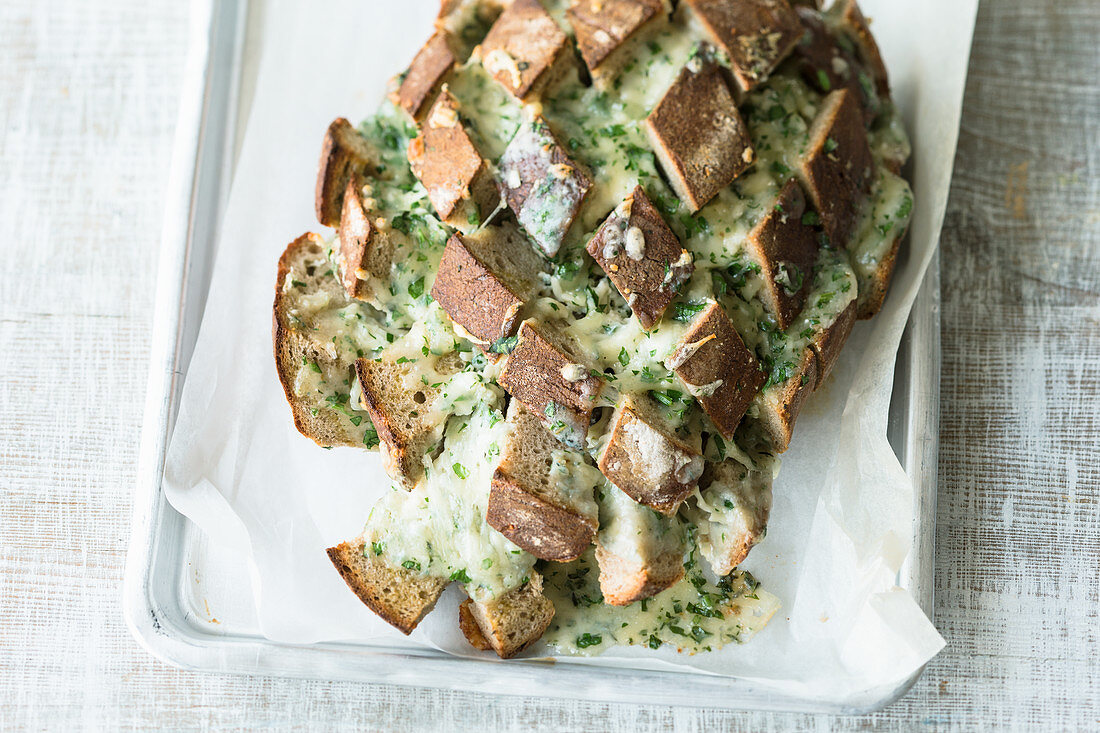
311,370
777,407
731,513
873,286
645,458
401,597
510,622
344,153
403,416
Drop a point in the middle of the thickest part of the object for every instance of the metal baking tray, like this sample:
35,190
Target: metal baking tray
183,598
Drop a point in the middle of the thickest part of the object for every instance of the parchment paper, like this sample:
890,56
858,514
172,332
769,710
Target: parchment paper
842,516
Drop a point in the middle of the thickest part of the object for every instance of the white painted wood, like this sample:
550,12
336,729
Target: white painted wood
88,101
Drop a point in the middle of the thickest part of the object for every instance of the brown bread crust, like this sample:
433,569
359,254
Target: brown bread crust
828,343
533,375
542,528
602,26
421,82
448,164
755,34
837,169
344,153
721,355
786,248
698,135
780,404
400,597
523,48
626,464
624,581
473,296
365,252
648,280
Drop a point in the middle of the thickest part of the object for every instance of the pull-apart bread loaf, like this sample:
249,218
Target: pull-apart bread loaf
586,265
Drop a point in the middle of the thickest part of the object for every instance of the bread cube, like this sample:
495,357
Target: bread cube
542,185
827,65
718,369
640,552
416,88
645,459
525,49
459,181
698,135
509,623
837,168
406,425
785,246
401,597
828,343
755,34
601,27
543,373
732,515
779,405
344,153
539,498
366,253
475,298
642,257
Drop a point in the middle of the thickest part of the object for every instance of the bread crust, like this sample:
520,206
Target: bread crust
324,428
524,48
601,27
872,291
400,416
630,462
366,253
473,296
513,621
718,369
400,597
538,526
624,581
533,374
837,169
780,404
755,34
785,248
698,135
828,343
443,157
344,153
417,88
650,278
538,176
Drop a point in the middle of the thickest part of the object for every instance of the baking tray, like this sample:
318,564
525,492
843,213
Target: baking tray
183,598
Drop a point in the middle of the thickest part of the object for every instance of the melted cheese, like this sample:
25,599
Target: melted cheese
694,615
439,527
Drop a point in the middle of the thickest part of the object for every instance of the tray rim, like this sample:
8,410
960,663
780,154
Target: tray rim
211,81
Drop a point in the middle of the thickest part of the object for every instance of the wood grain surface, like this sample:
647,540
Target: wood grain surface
88,101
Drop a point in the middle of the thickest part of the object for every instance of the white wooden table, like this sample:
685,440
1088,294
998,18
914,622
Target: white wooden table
88,101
